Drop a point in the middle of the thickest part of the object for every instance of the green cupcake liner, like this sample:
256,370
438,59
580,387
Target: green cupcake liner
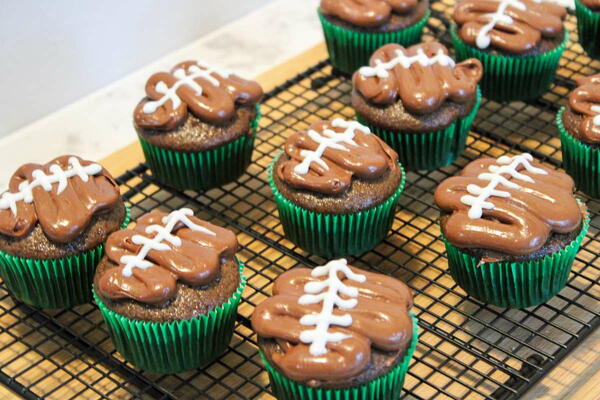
429,150
53,283
177,346
508,78
335,235
385,387
580,160
205,169
350,50
514,284
588,27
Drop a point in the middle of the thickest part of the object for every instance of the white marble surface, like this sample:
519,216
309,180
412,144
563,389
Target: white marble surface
100,123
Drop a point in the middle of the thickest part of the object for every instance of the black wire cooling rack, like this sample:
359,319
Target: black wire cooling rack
467,349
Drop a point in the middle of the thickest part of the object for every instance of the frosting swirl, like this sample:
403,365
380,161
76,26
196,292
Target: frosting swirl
509,204
584,102
423,76
512,26
162,250
62,196
326,320
208,93
367,13
325,157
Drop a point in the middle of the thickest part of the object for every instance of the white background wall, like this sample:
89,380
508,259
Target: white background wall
54,52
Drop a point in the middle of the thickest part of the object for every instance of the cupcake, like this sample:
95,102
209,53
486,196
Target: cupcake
336,187
512,228
355,29
336,332
579,126
54,220
588,25
169,289
197,125
519,42
419,101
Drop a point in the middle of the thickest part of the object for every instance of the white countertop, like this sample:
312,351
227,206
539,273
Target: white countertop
101,123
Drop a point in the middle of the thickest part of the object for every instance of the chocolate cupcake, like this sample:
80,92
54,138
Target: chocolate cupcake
336,332
54,220
197,125
588,25
168,290
512,228
355,29
519,42
336,187
579,126
419,101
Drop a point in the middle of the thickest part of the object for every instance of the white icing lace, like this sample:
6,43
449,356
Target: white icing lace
381,69
58,175
183,78
478,196
596,109
163,234
328,292
329,139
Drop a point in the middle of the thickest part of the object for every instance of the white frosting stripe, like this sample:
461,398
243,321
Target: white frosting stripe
477,197
58,175
329,139
596,109
328,293
163,234
381,69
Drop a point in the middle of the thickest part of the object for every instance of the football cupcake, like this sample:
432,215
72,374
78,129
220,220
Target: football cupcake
419,101
512,228
336,187
197,125
54,220
168,290
336,332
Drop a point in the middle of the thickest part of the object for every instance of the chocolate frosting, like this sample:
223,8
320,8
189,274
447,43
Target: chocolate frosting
593,4
367,13
422,76
210,94
325,157
523,208
62,196
379,319
185,249
584,101
511,26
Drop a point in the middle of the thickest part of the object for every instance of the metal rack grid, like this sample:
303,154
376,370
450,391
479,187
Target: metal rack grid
467,349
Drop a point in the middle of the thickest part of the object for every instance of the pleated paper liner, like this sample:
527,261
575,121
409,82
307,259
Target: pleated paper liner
429,150
53,283
335,235
202,170
588,27
514,284
177,346
580,160
508,78
385,387
350,50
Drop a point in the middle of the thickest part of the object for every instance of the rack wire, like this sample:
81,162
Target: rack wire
467,349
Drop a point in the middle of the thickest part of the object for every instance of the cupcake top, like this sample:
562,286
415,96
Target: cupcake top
374,13
61,197
210,94
593,4
510,26
163,255
333,323
326,157
582,116
512,205
422,77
